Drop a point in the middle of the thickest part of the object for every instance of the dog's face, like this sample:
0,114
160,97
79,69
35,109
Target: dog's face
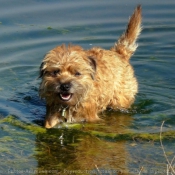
67,75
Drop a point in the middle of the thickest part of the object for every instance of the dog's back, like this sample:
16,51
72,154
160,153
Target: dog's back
115,76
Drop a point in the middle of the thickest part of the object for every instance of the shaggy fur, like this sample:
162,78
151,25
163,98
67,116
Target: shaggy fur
78,84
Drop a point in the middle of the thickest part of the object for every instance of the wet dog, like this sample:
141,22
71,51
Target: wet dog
78,84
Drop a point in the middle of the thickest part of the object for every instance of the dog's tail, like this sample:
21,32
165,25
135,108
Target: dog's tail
126,44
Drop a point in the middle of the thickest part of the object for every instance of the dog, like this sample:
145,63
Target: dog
79,84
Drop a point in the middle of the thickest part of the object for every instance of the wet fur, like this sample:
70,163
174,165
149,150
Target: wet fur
99,78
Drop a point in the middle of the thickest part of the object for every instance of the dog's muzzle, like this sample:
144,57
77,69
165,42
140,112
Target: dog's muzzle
65,94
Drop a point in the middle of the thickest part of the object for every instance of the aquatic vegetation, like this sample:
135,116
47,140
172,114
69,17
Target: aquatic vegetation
90,129
60,147
49,28
17,123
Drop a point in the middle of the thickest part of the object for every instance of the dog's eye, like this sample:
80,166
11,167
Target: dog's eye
55,72
77,74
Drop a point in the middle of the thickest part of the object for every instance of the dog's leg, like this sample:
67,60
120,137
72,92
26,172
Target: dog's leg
51,119
126,44
89,112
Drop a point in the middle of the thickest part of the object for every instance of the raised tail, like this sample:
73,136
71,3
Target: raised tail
126,44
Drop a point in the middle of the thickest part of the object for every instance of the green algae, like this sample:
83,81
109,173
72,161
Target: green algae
30,127
70,126
49,28
168,135
93,129
6,139
82,146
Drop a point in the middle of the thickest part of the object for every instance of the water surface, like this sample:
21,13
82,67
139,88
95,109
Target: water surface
29,29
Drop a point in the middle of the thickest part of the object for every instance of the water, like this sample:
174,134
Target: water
29,29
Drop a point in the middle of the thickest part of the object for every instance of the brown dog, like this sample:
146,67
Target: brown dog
78,84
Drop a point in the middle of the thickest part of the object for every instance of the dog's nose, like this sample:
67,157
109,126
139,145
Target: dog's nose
65,87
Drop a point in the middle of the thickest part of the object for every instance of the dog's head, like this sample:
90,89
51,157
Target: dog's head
67,75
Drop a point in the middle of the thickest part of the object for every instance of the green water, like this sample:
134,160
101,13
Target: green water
125,142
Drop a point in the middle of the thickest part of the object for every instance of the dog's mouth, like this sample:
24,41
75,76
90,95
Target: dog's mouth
65,96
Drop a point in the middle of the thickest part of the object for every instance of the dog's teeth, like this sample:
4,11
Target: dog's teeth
65,96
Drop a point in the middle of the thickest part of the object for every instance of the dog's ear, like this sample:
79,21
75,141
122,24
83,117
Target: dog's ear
93,65
41,71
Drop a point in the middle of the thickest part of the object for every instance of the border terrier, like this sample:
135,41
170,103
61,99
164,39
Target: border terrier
79,84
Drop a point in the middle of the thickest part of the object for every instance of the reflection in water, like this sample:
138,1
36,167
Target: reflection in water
73,151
